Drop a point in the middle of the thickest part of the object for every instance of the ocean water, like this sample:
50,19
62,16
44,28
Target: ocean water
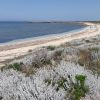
10,31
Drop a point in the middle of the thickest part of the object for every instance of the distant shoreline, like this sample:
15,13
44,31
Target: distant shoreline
80,22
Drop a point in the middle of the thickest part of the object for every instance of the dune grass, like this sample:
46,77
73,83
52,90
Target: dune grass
86,59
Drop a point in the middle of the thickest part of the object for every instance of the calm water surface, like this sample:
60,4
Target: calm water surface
20,30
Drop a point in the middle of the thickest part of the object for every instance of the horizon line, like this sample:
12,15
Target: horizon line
47,20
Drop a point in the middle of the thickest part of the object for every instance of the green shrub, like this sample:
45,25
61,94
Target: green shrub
51,48
87,41
79,89
95,49
15,66
80,80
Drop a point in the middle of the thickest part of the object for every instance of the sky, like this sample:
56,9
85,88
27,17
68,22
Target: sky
44,10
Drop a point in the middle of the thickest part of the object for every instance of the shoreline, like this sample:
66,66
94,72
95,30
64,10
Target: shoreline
59,35
16,41
11,51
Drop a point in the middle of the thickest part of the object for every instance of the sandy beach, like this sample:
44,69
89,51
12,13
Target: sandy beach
14,50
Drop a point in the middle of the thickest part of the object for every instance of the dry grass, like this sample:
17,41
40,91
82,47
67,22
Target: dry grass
86,59
57,55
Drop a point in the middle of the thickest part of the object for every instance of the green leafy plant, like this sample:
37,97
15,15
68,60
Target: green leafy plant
79,89
15,66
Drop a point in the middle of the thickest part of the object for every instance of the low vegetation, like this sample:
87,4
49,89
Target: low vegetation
89,59
84,58
51,48
79,89
75,90
94,49
30,50
37,63
57,55
15,66
58,71
87,41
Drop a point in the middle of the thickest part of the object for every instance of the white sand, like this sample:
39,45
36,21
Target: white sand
12,51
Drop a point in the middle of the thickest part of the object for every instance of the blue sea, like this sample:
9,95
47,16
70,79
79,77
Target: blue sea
10,31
